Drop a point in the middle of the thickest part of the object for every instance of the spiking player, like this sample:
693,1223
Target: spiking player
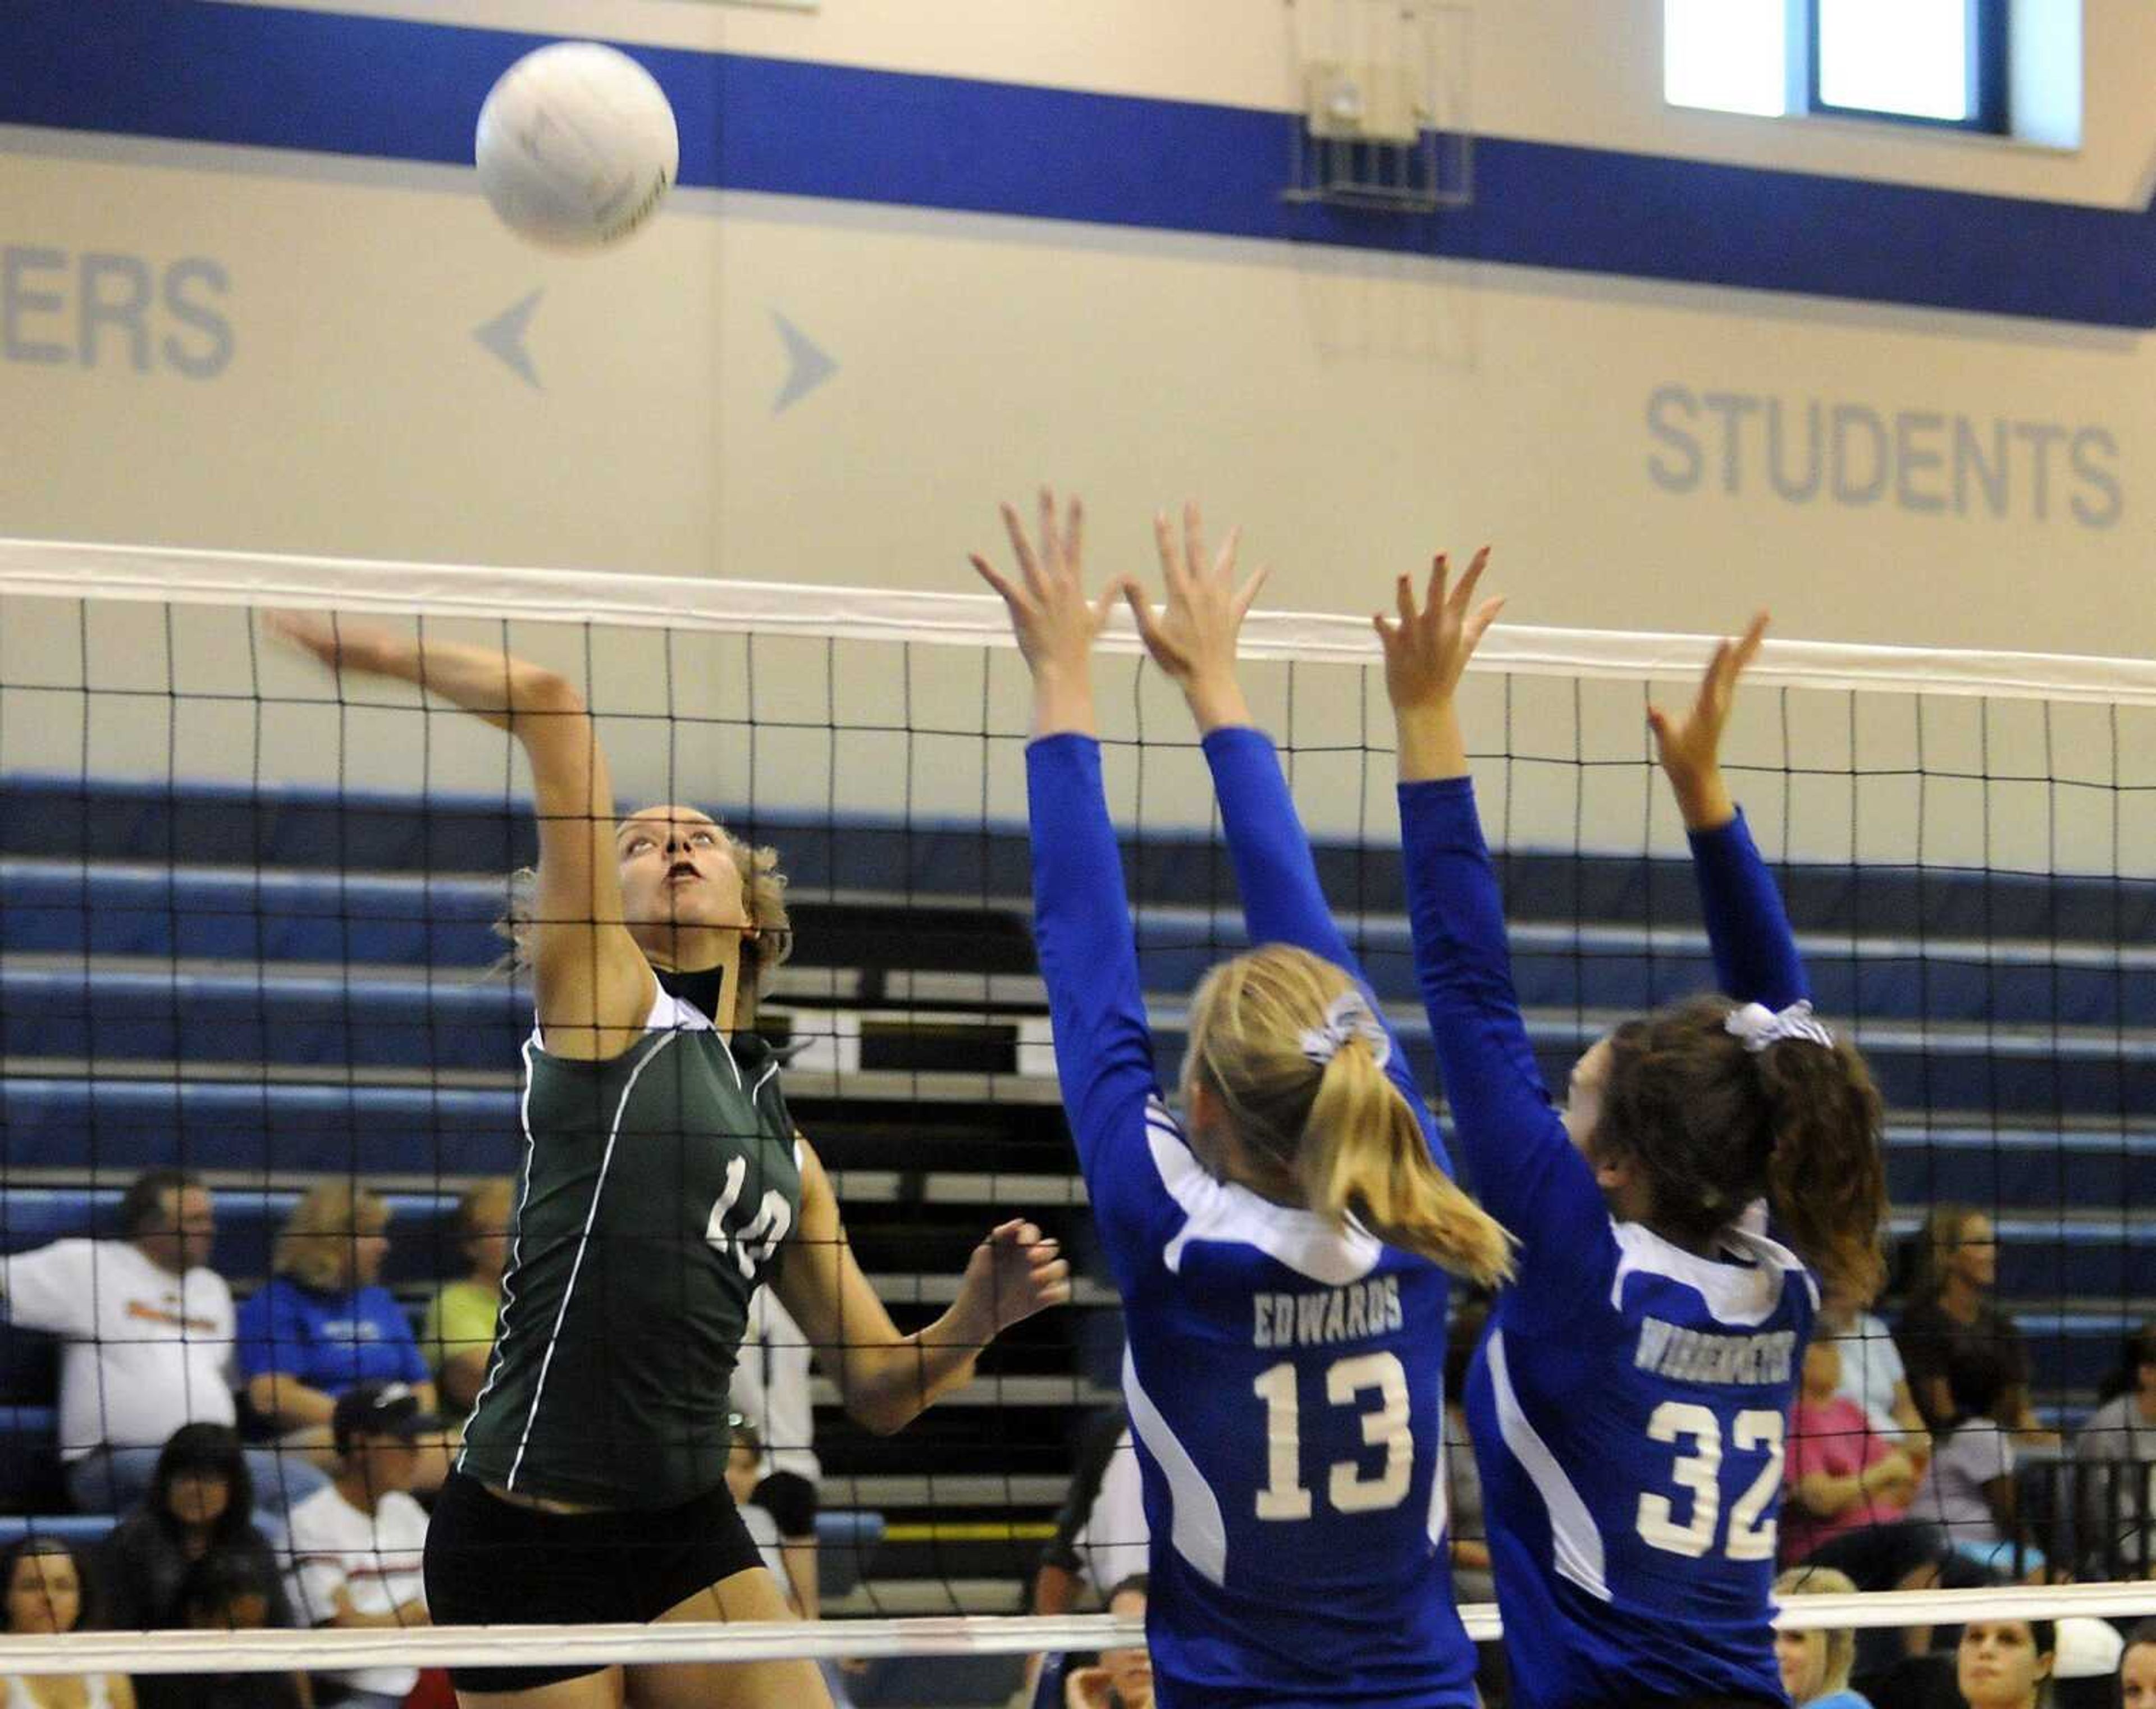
1278,1250
662,1180
1628,1402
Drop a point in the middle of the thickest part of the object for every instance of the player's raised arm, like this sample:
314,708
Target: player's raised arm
1193,637
1082,912
593,984
1755,952
1523,1165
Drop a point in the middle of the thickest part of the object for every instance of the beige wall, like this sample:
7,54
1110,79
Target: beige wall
1350,410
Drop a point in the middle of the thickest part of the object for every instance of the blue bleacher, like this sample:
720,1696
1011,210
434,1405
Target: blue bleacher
274,1005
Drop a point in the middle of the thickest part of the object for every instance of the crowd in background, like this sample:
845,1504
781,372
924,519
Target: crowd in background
267,1464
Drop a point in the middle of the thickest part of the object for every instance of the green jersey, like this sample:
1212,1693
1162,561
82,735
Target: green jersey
655,1191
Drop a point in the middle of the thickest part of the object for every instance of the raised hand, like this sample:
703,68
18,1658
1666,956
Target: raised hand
1427,650
1192,637
1055,622
1690,747
1015,1272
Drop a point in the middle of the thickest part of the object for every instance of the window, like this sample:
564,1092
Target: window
1922,62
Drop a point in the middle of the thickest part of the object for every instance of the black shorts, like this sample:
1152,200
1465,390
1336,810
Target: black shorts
492,1564
790,1499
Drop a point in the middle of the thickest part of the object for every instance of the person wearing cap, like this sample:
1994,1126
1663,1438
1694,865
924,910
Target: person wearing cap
355,1547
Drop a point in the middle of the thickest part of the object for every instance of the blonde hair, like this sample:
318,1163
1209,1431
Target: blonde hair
763,889
1841,1644
1339,1133
314,1248
486,1208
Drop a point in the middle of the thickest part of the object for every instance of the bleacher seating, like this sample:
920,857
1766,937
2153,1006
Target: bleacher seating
274,987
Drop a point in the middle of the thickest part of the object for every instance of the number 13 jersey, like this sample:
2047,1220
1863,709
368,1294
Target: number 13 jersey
1284,1374
655,1191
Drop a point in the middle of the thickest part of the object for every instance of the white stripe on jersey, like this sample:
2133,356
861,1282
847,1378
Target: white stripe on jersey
1195,1527
1576,1544
1220,1210
1741,1295
1439,1486
583,1240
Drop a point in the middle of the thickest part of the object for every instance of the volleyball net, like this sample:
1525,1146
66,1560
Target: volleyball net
247,918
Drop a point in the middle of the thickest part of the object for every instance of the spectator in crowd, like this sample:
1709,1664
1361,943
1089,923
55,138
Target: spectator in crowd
1815,1663
1951,1314
2137,1668
2085,1664
744,1470
771,1391
1968,1489
2117,1452
1873,1375
1842,1474
355,1547
2003,1663
1121,1679
1101,1537
458,1332
229,1592
148,1332
1472,1580
200,1504
325,1323
50,1591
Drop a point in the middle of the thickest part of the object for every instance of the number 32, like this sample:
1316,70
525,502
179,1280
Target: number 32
1699,1471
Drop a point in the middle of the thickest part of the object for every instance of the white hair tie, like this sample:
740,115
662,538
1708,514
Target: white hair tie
1759,1026
1348,1016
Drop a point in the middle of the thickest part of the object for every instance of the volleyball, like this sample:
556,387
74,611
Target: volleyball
576,146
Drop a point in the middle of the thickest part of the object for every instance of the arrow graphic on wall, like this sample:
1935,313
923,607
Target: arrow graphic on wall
503,336
808,365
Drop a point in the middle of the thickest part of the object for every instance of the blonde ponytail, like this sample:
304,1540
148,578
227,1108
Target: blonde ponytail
1327,1126
1363,1152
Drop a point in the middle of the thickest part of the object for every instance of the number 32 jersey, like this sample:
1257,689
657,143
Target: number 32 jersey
655,1190
1628,1402
1630,1433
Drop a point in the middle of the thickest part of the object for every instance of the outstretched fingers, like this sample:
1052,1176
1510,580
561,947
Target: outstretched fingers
1478,623
1022,549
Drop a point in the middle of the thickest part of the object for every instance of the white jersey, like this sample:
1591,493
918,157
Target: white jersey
770,1388
146,1351
1115,1540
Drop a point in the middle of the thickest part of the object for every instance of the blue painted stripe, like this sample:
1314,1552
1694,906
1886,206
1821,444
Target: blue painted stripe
397,90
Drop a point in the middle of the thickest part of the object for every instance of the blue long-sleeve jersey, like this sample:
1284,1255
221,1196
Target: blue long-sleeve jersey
1629,1400
1283,1376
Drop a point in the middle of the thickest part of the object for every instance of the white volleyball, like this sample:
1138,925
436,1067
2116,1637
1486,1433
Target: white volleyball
576,145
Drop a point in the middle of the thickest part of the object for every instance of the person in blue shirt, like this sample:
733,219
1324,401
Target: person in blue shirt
1280,1250
1628,1402
323,1324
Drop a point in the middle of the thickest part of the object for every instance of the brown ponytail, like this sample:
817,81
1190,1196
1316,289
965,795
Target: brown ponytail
1715,1127
1826,1174
1339,1134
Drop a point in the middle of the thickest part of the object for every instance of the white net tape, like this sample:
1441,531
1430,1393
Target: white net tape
701,1641
66,570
